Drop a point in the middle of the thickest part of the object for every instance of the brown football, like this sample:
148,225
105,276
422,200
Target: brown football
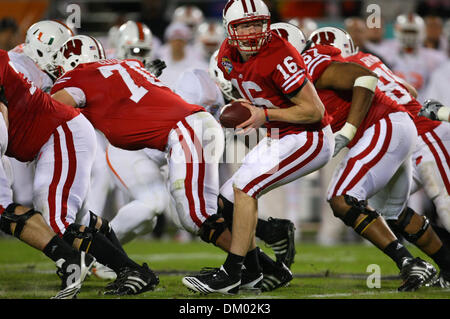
234,114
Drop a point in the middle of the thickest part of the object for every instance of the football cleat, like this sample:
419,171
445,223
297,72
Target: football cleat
441,281
133,281
277,277
72,274
251,281
416,273
282,240
103,272
213,280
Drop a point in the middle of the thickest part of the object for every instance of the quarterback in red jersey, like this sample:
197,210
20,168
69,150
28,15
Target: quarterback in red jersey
271,75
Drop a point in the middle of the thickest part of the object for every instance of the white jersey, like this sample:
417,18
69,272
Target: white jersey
5,169
417,68
195,86
174,69
438,85
3,135
25,65
385,49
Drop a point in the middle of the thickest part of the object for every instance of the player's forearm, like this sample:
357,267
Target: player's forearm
296,115
307,108
361,101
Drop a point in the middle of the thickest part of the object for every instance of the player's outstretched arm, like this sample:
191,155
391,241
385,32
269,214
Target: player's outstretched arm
362,82
307,108
435,110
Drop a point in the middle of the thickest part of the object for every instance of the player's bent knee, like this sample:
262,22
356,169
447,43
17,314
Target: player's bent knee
419,225
212,228
351,216
9,217
226,209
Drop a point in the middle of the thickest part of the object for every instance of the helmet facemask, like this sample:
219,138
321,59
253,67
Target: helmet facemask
249,43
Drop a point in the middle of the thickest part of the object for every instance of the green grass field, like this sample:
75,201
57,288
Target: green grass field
338,272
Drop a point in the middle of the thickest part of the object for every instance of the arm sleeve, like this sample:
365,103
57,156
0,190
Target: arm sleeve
70,84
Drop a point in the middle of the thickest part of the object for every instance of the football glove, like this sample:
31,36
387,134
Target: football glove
430,109
156,67
340,141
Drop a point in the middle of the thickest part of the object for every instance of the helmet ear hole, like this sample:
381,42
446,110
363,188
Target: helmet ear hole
39,52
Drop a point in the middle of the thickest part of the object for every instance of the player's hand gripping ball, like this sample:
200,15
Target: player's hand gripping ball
234,114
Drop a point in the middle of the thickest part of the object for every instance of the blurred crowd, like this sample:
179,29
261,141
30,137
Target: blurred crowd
185,36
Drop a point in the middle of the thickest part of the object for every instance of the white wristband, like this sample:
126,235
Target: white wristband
348,130
443,113
367,81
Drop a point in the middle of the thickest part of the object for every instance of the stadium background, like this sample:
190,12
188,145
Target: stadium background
302,201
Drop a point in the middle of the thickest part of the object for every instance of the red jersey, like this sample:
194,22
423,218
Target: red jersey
338,103
33,115
394,89
132,108
269,79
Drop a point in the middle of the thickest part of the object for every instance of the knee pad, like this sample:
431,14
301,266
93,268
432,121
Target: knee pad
226,211
401,226
86,236
105,228
212,228
8,217
358,208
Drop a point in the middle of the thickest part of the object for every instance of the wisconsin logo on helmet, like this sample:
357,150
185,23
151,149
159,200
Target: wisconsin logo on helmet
238,12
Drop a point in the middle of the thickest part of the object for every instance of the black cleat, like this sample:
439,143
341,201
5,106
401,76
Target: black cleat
282,240
213,280
72,274
441,281
276,278
251,281
416,273
133,281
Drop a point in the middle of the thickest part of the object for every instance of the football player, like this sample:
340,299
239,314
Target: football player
413,62
34,59
277,233
271,75
361,126
62,143
429,159
30,227
134,40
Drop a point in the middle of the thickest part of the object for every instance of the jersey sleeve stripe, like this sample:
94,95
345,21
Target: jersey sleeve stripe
313,67
294,82
292,78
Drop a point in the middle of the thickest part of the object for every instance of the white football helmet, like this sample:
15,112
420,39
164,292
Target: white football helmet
134,41
79,49
336,37
42,42
190,15
291,33
242,11
210,35
409,30
307,25
217,75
